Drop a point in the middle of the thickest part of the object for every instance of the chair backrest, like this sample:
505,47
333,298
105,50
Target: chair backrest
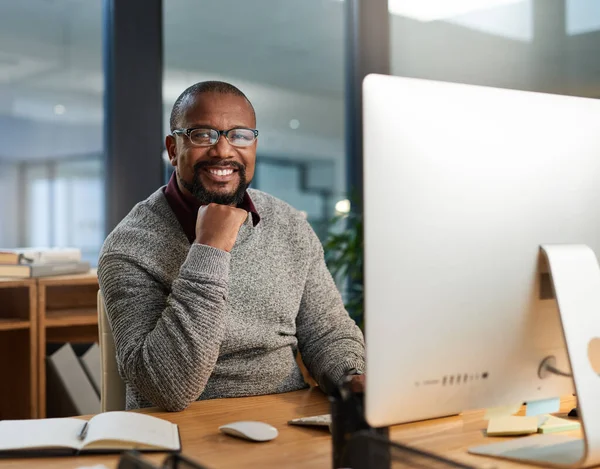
112,394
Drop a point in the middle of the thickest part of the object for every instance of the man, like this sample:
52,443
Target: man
211,289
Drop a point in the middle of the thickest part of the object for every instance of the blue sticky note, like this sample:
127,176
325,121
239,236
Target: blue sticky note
543,406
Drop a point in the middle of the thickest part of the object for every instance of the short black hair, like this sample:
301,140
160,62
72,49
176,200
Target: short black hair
199,88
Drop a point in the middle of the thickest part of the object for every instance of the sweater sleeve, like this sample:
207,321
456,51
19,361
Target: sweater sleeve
167,343
330,342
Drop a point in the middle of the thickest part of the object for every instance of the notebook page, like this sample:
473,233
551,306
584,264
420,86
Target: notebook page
40,433
111,430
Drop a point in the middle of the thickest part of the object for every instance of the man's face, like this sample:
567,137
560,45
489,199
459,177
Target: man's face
222,172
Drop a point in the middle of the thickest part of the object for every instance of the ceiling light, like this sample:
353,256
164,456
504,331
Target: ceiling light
432,10
342,207
59,109
294,124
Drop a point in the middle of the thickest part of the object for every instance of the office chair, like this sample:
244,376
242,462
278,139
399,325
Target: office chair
112,394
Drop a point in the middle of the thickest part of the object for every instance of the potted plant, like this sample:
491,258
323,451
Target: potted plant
344,248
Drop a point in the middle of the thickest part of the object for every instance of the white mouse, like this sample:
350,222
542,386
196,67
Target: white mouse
250,430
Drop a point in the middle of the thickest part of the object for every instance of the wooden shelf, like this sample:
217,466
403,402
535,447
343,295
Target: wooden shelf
34,312
66,310
90,278
18,349
9,324
7,282
71,317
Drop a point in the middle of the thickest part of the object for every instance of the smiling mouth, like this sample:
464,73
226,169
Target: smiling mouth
221,174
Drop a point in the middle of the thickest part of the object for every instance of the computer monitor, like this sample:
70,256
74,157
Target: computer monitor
462,184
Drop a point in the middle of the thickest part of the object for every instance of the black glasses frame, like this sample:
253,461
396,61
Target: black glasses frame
134,460
225,133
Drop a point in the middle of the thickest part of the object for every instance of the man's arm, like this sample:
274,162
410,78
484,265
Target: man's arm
167,344
330,342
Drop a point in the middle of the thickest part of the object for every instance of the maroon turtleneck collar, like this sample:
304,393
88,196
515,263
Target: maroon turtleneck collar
186,207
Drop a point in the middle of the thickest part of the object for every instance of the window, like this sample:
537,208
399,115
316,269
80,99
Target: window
519,44
288,58
51,114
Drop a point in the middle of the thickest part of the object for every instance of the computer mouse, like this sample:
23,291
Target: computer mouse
250,430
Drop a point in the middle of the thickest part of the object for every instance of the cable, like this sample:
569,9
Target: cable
558,372
547,366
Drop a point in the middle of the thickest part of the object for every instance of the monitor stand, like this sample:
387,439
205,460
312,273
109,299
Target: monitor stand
576,280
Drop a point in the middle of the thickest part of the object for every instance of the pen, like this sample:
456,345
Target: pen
83,431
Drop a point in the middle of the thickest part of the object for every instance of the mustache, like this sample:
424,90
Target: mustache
220,163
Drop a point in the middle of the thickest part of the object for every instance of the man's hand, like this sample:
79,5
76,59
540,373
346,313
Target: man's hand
218,225
357,383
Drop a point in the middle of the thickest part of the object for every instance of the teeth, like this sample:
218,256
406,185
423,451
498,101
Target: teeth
221,172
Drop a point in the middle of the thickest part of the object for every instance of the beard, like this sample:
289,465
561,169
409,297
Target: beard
205,196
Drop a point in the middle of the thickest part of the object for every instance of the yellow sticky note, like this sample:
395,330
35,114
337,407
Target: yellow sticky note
512,425
503,411
555,424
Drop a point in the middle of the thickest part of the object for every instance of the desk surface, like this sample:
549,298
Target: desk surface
296,447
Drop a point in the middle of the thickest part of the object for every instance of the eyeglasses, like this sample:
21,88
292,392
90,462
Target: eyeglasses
133,460
207,137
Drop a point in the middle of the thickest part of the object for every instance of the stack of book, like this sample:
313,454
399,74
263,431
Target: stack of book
41,262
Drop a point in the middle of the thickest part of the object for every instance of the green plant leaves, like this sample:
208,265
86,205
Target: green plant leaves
344,254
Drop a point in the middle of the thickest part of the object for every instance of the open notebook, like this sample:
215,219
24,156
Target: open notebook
107,432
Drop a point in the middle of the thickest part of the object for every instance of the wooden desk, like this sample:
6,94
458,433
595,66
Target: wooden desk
296,447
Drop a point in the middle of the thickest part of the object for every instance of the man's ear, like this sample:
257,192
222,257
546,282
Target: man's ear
171,146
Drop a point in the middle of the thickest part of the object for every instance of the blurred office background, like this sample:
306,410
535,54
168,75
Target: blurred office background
287,56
